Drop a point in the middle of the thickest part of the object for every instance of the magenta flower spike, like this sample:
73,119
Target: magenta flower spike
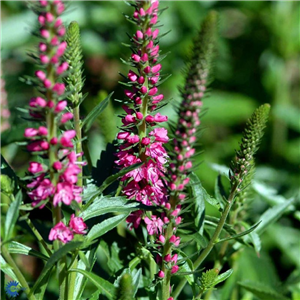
139,141
56,181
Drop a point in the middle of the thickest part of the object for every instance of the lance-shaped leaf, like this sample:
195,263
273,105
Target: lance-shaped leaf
236,236
100,229
199,195
12,216
261,290
96,111
103,205
105,287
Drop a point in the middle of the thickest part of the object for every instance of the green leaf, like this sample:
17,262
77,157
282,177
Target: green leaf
7,269
13,135
15,247
222,277
136,280
103,205
273,214
235,236
12,216
199,195
100,229
96,111
103,285
55,257
261,290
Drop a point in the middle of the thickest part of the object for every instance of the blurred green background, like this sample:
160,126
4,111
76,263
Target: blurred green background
257,61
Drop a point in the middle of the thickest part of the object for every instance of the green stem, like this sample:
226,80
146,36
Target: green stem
77,124
211,243
17,272
71,287
165,285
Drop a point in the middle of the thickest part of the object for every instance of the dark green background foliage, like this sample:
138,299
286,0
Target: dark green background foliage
256,62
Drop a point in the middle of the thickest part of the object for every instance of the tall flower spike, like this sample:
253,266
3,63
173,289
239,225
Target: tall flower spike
75,82
55,179
189,110
137,144
243,162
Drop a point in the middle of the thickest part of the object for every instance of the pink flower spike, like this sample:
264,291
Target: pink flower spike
77,225
61,232
174,269
161,274
66,117
35,167
61,105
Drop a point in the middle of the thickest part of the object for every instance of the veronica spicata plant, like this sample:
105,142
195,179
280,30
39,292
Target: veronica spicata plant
145,220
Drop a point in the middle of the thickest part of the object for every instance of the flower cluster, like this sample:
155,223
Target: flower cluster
66,233
146,183
5,113
57,179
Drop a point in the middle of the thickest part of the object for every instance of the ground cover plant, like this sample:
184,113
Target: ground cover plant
138,222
